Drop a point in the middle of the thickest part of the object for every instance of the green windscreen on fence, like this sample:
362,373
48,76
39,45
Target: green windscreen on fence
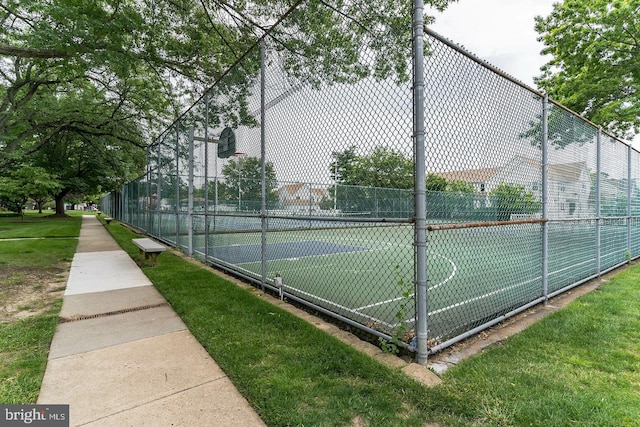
320,193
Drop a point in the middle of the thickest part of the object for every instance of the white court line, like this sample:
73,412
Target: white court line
571,266
508,288
451,276
479,297
307,256
340,306
389,301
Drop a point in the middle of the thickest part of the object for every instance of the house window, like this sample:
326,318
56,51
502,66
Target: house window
572,208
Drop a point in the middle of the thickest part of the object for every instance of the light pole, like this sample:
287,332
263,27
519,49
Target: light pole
335,183
335,189
239,155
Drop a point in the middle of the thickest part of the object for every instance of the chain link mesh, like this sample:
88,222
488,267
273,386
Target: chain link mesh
323,213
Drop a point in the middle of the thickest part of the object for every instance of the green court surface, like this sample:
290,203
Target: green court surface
474,274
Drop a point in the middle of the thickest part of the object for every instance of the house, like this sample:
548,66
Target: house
301,198
569,184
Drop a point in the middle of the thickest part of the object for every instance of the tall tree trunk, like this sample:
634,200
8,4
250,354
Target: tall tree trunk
60,204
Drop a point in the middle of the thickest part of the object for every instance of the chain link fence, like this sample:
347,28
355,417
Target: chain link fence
304,183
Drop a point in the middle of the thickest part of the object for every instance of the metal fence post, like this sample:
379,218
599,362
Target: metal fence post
206,175
159,190
420,183
176,180
147,222
190,194
629,202
263,171
598,199
545,197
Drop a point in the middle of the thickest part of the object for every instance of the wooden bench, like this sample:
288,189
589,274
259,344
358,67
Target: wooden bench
149,247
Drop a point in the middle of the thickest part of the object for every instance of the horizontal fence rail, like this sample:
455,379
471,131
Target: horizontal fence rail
306,186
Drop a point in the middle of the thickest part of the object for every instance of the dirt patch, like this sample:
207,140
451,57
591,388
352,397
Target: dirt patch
29,291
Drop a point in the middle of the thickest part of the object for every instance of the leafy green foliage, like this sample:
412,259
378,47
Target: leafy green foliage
242,183
594,69
383,168
407,301
436,182
108,75
26,182
513,199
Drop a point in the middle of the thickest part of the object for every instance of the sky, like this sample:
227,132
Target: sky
501,32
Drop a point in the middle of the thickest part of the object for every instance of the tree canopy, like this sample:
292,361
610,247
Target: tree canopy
242,183
594,70
111,75
383,168
23,183
512,199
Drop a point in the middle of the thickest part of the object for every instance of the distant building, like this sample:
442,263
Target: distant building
301,198
569,183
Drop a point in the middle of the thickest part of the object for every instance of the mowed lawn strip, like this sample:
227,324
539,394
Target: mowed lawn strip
578,366
32,278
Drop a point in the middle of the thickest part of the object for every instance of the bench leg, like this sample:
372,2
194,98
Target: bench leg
153,255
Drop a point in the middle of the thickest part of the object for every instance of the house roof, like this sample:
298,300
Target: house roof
321,192
469,175
557,171
566,171
291,188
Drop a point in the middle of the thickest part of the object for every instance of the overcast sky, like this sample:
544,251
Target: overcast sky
500,32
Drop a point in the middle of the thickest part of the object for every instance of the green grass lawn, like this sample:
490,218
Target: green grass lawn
32,278
578,366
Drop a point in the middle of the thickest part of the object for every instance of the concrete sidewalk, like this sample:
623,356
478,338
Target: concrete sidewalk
122,357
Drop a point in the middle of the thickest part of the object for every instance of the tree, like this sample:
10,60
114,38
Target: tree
370,184
594,70
24,183
383,168
89,159
513,199
452,199
460,187
242,183
146,59
436,182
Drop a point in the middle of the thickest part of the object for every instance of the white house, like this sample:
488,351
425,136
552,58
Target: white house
301,198
569,183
